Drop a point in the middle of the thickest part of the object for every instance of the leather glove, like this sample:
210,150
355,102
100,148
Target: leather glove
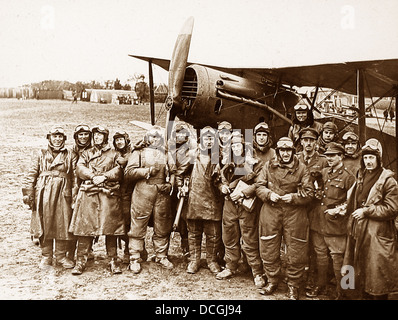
28,200
153,171
225,189
97,180
182,192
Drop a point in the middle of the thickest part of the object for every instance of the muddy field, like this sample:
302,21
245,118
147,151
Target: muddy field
23,127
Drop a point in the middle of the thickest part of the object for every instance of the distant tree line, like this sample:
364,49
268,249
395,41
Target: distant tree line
141,87
79,85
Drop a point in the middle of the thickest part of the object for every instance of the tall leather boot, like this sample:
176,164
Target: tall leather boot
83,246
111,250
61,259
71,250
195,243
47,253
322,276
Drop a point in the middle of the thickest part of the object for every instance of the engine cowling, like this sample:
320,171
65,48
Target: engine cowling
210,96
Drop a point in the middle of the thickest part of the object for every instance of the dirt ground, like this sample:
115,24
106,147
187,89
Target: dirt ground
23,127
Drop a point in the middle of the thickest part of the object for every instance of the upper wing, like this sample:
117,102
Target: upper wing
381,76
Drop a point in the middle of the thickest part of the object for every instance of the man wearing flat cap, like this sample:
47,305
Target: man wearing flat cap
309,156
314,162
329,220
284,214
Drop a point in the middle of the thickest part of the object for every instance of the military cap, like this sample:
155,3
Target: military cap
285,143
308,133
334,148
224,125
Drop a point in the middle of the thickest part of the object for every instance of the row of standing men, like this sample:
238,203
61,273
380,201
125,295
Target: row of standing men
300,199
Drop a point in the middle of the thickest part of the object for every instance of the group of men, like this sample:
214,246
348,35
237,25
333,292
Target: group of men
249,200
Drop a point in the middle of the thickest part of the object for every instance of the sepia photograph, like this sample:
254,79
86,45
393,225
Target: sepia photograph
198,155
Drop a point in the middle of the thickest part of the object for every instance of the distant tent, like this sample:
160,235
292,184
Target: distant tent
160,92
85,95
109,96
18,93
67,94
3,93
49,94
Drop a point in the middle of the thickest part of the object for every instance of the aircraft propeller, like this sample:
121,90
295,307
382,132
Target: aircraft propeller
178,64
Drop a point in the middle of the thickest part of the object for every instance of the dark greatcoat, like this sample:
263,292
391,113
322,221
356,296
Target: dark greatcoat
97,213
49,182
372,241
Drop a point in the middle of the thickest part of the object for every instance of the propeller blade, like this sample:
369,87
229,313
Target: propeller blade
178,64
170,116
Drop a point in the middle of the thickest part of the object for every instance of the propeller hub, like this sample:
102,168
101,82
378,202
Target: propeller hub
169,103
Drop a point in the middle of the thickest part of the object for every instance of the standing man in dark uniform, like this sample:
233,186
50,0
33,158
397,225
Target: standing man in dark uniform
281,185
314,162
121,143
329,220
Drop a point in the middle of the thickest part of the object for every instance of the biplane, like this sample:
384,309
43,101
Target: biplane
201,94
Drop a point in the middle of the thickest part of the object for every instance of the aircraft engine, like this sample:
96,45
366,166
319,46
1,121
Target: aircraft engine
210,96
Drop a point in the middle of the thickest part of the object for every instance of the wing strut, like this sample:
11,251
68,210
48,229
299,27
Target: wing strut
396,132
314,99
151,94
361,107
334,90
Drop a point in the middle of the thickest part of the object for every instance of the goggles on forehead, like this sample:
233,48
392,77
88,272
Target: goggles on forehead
300,107
82,127
99,128
373,147
224,125
261,127
57,130
350,135
120,133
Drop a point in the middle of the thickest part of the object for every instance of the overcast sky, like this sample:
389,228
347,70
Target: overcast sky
90,40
